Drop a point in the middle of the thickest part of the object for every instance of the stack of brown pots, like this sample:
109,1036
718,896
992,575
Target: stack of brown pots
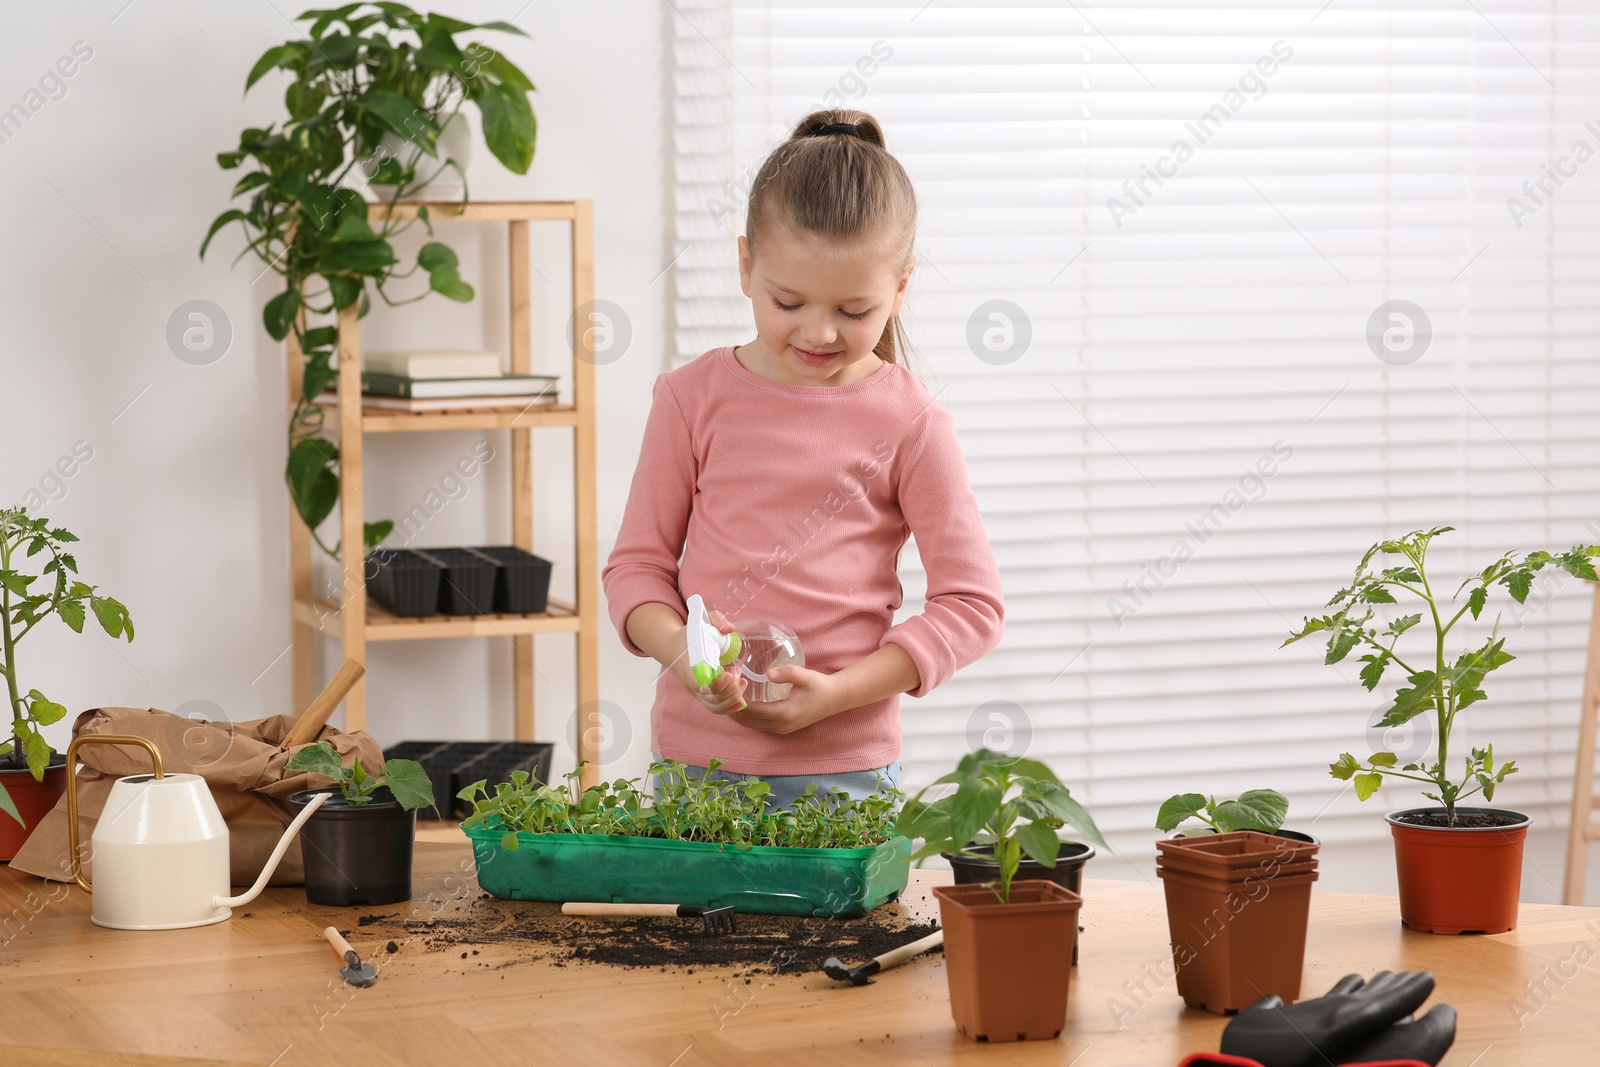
1237,906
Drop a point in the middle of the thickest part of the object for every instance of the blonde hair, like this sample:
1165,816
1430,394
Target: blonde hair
837,185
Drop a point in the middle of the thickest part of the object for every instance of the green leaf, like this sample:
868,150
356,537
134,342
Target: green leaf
9,806
345,291
409,783
71,612
44,712
447,282
483,58
1060,803
1340,645
218,223
1175,810
509,126
1344,767
1367,784
1476,599
312,485
277,56
356,257
280,313
434,254
1377,594
373,534
352,226
403,117
1256,809
109,613
16,582
1372,673
321,759
1039,842
1409,703
37,751
509,842
1519,582
1382,759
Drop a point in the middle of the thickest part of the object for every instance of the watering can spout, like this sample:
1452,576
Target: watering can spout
277,855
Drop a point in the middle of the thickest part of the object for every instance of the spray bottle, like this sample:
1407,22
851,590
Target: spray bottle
757,646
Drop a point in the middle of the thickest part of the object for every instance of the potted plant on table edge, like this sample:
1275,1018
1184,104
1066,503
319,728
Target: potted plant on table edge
357,846
32,774
1460,868
1008,943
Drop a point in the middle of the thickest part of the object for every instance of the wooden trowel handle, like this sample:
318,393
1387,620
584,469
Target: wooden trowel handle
311,722
340,945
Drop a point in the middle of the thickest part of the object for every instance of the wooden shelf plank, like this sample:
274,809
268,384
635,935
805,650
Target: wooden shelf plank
325,616
495,210
382,420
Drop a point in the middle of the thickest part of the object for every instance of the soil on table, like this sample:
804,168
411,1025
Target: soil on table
1439,821
765,944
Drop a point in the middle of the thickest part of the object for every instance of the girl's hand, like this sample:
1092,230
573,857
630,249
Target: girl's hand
726,692
815,696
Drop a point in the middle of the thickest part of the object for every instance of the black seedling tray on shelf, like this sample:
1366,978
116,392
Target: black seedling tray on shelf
406,582
522,580
454,765
467,586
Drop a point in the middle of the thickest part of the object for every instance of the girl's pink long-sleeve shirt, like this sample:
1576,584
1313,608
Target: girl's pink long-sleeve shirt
794,502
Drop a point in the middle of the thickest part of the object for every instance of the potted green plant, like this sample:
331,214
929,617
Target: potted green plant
698,840
1460,867
357,846
1262,810
361,73
32,774
1008,943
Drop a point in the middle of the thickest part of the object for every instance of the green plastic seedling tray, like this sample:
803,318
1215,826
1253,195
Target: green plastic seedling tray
836,883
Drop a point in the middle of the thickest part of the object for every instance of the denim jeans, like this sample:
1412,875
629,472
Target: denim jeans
787,787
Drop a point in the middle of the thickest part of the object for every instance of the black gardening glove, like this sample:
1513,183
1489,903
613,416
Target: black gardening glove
1328,1029
1426,1039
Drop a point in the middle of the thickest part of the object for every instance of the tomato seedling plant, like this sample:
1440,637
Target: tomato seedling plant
1442,688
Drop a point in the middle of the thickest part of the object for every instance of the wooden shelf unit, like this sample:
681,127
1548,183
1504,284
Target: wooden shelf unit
356,622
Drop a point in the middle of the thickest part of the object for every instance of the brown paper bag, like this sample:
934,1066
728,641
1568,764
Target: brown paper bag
240,761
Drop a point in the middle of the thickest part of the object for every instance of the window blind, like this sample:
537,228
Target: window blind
1290,278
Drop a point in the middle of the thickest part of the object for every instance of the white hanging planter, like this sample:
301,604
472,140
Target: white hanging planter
455,143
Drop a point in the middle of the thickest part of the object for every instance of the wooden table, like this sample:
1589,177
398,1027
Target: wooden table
265,990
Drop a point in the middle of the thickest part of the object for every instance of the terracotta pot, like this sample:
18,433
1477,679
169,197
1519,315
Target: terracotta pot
1009,964
1293,835
1464,880
1238,929
33,800
1067,873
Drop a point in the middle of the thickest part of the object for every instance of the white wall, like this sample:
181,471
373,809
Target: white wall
181,509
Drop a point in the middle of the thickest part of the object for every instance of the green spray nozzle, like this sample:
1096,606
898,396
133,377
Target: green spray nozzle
709,648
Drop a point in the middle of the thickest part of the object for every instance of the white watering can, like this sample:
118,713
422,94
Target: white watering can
161,848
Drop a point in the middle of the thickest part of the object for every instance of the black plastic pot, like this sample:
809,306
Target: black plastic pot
467,587
357,854
522,580
1067,873
405,582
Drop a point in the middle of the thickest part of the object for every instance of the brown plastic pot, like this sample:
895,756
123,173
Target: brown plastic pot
1009,965
1238,933
33,799
970,869
1461,880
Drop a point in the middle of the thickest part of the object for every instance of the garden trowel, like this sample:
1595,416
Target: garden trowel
355,972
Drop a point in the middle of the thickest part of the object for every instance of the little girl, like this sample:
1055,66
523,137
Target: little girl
782,478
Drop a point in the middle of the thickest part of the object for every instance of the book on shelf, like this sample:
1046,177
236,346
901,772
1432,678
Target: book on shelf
449,403
525,385
434,363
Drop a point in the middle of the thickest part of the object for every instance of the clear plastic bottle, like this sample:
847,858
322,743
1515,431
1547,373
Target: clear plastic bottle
766,643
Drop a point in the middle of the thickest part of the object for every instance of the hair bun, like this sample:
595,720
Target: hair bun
856,124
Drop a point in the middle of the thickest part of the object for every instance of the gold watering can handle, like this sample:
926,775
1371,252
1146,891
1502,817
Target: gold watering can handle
72,788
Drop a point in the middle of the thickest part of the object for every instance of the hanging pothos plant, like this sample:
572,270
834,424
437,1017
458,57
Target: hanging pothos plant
361,72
